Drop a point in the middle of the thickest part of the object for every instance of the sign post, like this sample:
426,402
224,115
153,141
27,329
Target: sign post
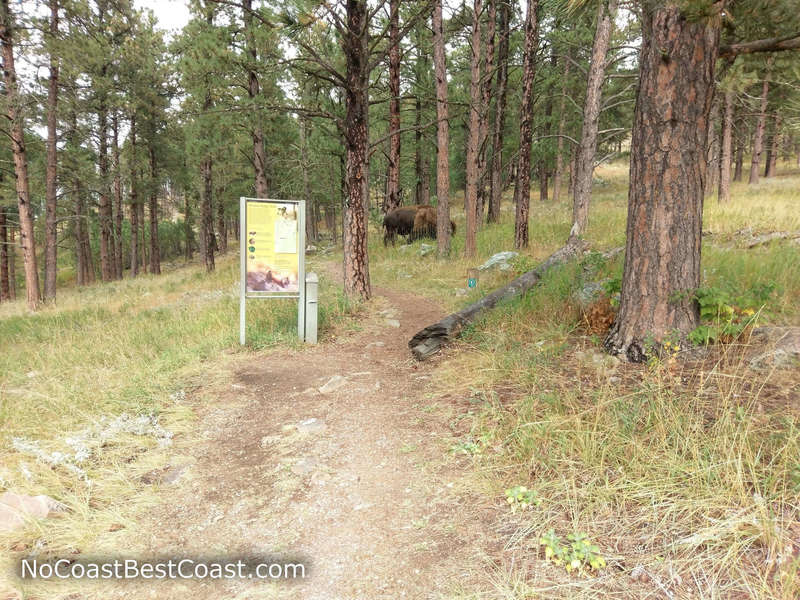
272,245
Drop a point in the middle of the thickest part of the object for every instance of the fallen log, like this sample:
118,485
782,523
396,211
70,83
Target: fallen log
768,237
429,340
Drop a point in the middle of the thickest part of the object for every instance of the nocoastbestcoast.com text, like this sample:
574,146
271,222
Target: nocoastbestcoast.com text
181,568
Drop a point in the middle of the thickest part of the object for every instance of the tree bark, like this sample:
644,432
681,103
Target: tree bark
712,180
104,206
187,227
724,192
522,189
758,140
473,135
222,228
5,293
253,91
584,162
739,162
356,135
429,340
51,172
774,148
486,98
134,201
311,212
143,250
118,258
392,199
562,120
501,68
667,174
155,251
422,192
17,136
442,135
207,216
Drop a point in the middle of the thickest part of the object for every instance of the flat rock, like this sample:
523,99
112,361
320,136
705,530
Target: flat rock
376,345
782,345
499,260
312,425
393,323
333,384
16,508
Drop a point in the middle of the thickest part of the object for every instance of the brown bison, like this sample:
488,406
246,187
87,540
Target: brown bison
416,221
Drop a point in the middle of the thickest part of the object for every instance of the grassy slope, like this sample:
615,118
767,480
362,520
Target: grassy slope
136,347
691,471
639,467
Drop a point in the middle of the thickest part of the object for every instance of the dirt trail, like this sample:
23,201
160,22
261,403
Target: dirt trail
365,492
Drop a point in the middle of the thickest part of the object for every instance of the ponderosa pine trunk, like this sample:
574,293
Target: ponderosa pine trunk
442,135
51,171
5,292
17,138
311,208
562,120
761,124
118,257
187,227
207,216
738,166
253,91
667,174
487,69
356,136
422,192
222,226
522,189
584,162
774,148
713,153
392,199
473,135
724,192
143,250
501,70
155,251
134,200
104,204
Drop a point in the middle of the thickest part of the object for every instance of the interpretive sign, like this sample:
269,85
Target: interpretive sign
272,234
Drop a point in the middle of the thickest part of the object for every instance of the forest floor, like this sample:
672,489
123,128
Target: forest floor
685,472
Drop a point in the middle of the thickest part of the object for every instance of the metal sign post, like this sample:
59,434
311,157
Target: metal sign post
272,237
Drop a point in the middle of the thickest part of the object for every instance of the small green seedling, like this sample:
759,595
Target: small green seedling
520,497
577,555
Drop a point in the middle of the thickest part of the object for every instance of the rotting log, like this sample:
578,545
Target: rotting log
429,340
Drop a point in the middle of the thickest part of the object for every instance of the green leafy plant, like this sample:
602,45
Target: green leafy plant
520,498
577,554
724,317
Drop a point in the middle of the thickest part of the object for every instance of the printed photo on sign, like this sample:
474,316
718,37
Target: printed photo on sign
272,256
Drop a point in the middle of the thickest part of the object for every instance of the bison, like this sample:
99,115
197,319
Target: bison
416,221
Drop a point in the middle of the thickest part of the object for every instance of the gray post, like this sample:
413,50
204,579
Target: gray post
243,268
312,295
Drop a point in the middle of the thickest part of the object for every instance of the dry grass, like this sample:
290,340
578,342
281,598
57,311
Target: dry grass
690,471
147,346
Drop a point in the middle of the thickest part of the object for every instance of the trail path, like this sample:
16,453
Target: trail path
365,492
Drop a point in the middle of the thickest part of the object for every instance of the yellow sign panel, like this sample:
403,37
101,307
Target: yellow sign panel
272,260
